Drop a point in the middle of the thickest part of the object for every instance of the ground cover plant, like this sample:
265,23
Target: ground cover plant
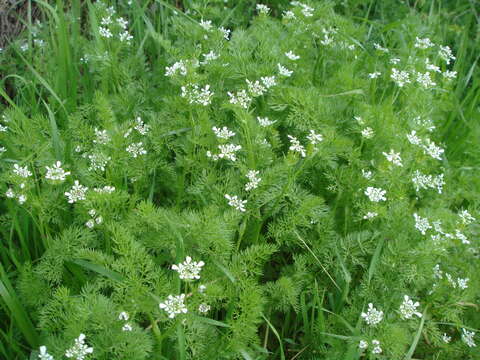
240,180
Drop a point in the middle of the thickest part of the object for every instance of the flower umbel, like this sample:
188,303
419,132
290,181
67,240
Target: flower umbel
79,350
174,305
189,270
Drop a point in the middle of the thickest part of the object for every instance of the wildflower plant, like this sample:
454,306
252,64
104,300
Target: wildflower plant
209,180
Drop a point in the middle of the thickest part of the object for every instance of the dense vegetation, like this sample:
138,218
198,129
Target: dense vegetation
233,180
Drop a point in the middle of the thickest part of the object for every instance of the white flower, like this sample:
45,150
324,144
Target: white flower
288,14
413,138
79,350
21,198
268,81
223,133
467,338
292,56
209,57
204,308
127,327
466,217
98,161
449,75
125,36
423,181
3,128
195,95
375,194
177,68
105,32
122,22
423,43
225,32
56,173
76,193
462,283
9,193
263,9
141,127
446,338
284,71
433,150
376,347
394,61
400,77
236,203
105,190
241,98
446,54
2,150
264,122
101,137
227,151
370,215
437,273
314,138
363,344
90,224
136,149
431,67
256,88
174,305
380,48
189,270
296,146
367,174
368,133
206,24
123,316
44,355
393,157
408,308
372,316
201,289
254,180
425,80
374,75
21,171
421,224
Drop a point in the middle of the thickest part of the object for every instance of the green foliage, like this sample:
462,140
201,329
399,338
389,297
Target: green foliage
126,96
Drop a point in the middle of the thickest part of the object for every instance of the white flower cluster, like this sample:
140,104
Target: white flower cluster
209,57
375,343
223,133
375,194
372,316
189,270
105,190
429,147
204,308
467,338
253,180
401,78
111,24
56,173
393,157
79,350
136,149
283,71
425,80
466,217
241,99
264,122
95,219
423,181
44,355
227,151
177,68
263,9
77,193
21,198
370,215
314,138
423,43
296,146
290,54
368,133
196,95
306,10
421,224
446,54
236,203
98,161
174,305
123,316
409,308
101,137
21,171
